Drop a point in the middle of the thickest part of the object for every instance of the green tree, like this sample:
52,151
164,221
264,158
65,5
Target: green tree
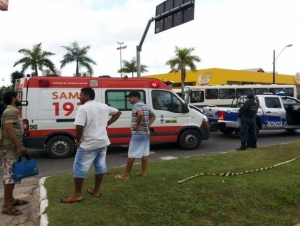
183,59
77,54
14,76
131,67
36,59
4,89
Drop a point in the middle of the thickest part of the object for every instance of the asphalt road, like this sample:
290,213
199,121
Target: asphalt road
117,156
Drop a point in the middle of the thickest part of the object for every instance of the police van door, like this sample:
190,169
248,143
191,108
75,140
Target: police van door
275,115
292,108
169,117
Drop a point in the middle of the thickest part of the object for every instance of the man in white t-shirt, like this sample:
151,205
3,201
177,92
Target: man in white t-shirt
91,121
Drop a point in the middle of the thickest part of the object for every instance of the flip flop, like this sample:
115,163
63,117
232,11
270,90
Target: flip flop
12,211
70,200
120,177
91,191
19,202
141,174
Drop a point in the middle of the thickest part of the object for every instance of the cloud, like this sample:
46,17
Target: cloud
235,34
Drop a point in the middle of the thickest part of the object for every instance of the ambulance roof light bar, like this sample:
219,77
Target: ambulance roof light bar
44,83
155,84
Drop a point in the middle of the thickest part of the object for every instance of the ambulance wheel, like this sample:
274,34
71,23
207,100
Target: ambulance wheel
190,139
60,147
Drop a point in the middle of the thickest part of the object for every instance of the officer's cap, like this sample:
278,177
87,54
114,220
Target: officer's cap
250,96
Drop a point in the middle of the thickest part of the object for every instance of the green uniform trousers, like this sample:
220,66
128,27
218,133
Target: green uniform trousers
247,131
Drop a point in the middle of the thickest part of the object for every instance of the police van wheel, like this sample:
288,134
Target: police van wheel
256,130
290,130
190,140
227,131
60,147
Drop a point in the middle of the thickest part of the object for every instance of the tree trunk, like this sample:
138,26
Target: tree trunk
35,70
77,69
182,80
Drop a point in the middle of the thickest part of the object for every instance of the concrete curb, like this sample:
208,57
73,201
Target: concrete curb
43,202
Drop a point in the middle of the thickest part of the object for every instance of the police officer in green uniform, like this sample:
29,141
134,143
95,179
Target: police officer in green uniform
247,114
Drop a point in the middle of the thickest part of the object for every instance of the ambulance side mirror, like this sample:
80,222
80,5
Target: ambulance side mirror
185,108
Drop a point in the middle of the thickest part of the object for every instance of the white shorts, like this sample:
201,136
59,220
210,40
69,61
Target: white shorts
139,146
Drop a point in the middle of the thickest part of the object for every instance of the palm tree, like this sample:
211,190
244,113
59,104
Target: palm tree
77,54
131,67
183,59
36,59
14,76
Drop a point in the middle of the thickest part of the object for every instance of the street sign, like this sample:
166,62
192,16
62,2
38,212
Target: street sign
172,13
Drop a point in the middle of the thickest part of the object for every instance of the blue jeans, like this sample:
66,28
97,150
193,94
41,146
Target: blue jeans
85,158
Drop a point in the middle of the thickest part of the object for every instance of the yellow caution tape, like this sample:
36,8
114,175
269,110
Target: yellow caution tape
238,173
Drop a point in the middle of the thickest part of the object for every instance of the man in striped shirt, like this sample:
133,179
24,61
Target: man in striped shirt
141,120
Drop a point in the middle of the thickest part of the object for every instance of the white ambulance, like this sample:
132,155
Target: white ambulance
49,107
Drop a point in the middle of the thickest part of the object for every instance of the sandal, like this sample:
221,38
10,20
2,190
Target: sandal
12,211
122,177
91,191
70,199
19,202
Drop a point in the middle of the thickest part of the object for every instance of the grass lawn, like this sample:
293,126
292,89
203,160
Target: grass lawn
268,197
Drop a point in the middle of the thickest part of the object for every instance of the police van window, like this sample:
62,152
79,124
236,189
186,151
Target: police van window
287,102
242,92
260,90
118,99
227,93
211,94
291,104
272,102
197,96
166,101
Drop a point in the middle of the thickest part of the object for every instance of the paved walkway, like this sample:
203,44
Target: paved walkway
27,190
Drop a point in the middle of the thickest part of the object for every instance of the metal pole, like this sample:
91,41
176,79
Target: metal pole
120,60
165,14
274,80
120,48
138,62
274,59
139,49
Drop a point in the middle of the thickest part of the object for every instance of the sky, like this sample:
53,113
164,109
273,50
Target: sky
230,34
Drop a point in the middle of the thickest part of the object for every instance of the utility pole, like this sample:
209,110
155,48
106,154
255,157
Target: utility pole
274,60
120,48
179,8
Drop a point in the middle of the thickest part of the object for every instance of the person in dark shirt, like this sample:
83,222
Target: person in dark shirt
247,115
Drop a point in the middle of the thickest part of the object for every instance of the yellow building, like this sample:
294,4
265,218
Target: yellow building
218,76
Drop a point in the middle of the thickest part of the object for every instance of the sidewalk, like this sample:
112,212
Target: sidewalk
27,190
